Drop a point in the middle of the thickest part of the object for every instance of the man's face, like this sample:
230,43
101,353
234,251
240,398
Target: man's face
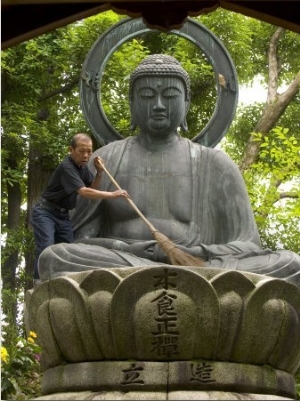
82,152
159,105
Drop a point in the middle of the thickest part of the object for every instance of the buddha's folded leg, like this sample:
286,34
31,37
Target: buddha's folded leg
60,259
279,264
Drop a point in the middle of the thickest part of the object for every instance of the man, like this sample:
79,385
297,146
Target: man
50,216
194,195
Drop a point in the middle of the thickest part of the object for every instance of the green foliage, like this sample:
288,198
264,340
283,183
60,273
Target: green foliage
238,39
240,130
280,152
20,368
290,118
11,176
18,240
273,186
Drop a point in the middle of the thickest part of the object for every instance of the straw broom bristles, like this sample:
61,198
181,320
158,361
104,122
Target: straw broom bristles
176,256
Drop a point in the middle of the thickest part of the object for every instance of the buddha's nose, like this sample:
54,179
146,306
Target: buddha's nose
158,103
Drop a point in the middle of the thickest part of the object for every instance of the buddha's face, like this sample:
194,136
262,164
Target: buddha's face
158,105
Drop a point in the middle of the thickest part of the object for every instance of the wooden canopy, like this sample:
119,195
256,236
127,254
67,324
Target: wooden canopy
26,19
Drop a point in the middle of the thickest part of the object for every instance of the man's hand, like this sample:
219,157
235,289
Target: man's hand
98,163
118,193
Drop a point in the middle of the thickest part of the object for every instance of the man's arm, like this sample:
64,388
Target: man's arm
96,182
91,193
98,164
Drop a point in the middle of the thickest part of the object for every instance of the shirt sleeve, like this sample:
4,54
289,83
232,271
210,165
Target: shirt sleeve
71,180
89,178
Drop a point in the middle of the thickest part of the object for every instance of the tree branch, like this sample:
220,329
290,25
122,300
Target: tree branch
57,91
275,106
292,195
273,65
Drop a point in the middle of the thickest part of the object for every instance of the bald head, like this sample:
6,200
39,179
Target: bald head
80,137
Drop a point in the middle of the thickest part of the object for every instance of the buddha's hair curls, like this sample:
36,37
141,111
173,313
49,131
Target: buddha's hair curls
160,65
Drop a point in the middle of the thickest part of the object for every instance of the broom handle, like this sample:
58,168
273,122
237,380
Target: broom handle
151,227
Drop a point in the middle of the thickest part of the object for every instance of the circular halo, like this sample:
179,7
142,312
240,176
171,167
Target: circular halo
216,53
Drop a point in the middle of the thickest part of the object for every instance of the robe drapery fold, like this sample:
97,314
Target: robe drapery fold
221,225
221,209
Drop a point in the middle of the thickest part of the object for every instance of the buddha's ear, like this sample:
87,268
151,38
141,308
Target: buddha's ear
187,104
184,125
133,125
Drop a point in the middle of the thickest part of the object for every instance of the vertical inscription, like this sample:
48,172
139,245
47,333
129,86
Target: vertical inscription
165,338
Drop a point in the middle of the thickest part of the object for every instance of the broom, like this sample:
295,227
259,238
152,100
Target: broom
175,255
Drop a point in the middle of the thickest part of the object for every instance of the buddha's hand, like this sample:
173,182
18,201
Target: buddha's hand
108,243
196,251
142,249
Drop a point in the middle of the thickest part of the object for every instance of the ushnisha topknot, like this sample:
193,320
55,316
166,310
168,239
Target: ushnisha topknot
160,64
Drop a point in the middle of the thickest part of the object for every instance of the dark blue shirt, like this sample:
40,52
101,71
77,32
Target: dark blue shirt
65,182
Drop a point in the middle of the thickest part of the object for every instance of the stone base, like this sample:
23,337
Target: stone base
161,379
166,333
173,395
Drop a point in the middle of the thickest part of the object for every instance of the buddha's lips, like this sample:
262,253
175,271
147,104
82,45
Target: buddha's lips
158,116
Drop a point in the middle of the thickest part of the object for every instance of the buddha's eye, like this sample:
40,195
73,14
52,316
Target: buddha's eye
171,93
147,93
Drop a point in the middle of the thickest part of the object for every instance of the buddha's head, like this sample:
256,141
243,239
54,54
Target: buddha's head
159,94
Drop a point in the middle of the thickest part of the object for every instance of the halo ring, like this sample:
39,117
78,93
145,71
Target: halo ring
214,50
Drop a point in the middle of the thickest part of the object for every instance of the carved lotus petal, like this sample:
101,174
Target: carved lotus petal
164,313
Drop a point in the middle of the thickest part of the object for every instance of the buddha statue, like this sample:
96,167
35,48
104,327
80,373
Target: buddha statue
193,194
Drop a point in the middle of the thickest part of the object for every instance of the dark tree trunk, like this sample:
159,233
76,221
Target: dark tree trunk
38,178
9,267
